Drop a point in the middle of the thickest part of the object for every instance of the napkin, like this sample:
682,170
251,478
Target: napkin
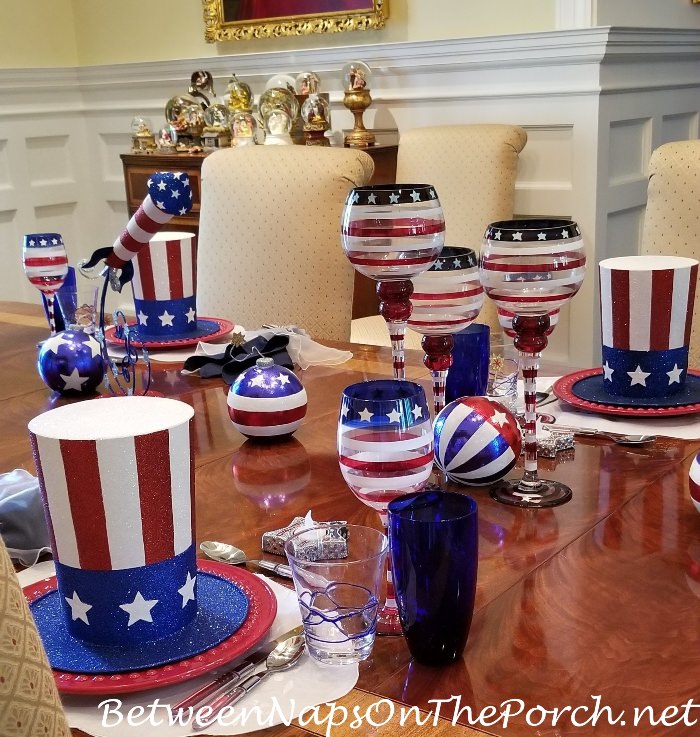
22,521
281,697
685,427
237,358
302,349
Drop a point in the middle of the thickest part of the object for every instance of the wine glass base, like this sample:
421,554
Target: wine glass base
549,494
388,622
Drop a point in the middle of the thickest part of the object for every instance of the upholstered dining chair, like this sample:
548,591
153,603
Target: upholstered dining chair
672,218
473,167
269,237
29,702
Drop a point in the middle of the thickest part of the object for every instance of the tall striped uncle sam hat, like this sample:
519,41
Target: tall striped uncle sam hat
116,477
646,305
165,290
165,285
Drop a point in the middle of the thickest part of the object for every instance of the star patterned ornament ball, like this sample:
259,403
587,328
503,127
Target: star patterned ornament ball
70,362
477,440
267,401
694,482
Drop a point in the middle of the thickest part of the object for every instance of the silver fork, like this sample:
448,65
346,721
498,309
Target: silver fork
616,437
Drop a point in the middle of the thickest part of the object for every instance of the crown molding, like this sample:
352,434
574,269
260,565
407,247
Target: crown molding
480,67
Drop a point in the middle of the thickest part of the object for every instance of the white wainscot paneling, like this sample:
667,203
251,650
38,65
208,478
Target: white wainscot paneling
51,170
545,171
625,231
679,127
628,150
61,218
8,193
110,146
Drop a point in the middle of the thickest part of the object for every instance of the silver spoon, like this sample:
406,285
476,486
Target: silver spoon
284,656
616,437
225,553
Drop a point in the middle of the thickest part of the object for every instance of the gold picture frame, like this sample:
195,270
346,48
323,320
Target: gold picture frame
239,20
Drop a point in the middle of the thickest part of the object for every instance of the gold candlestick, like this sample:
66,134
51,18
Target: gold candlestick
356,78
357,101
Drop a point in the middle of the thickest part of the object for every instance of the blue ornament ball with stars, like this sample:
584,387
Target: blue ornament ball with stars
70,362
267,401
477,440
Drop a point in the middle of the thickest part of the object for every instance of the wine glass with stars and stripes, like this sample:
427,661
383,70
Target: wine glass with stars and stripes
391,233
385,449
45,264
530,268
446,299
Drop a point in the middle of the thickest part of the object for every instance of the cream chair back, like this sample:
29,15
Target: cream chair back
29,702
269,237
672,218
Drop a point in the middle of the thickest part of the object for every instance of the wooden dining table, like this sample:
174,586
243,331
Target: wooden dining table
591,608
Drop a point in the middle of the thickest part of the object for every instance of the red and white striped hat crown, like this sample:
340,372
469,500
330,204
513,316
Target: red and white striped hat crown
117,484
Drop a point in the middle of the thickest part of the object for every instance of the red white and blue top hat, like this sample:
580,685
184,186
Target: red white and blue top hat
646,305
116,477
165,290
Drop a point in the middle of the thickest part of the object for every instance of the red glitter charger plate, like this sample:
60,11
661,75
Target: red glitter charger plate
261,614
225,327
562,388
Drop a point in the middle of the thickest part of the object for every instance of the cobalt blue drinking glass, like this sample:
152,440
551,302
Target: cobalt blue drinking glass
433,541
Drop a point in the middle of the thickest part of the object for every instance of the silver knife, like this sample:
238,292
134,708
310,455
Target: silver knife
235,675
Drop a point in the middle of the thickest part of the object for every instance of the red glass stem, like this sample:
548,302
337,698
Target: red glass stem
388,622
530,340
438,358
395,307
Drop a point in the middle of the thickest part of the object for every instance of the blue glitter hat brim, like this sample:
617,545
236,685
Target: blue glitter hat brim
592,389
222,607
204,327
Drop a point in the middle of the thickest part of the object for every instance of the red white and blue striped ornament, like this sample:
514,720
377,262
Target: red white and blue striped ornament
694,482
116,477
71,362
477,441
267,401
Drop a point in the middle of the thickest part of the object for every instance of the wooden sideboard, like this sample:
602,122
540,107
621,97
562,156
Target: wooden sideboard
139,167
